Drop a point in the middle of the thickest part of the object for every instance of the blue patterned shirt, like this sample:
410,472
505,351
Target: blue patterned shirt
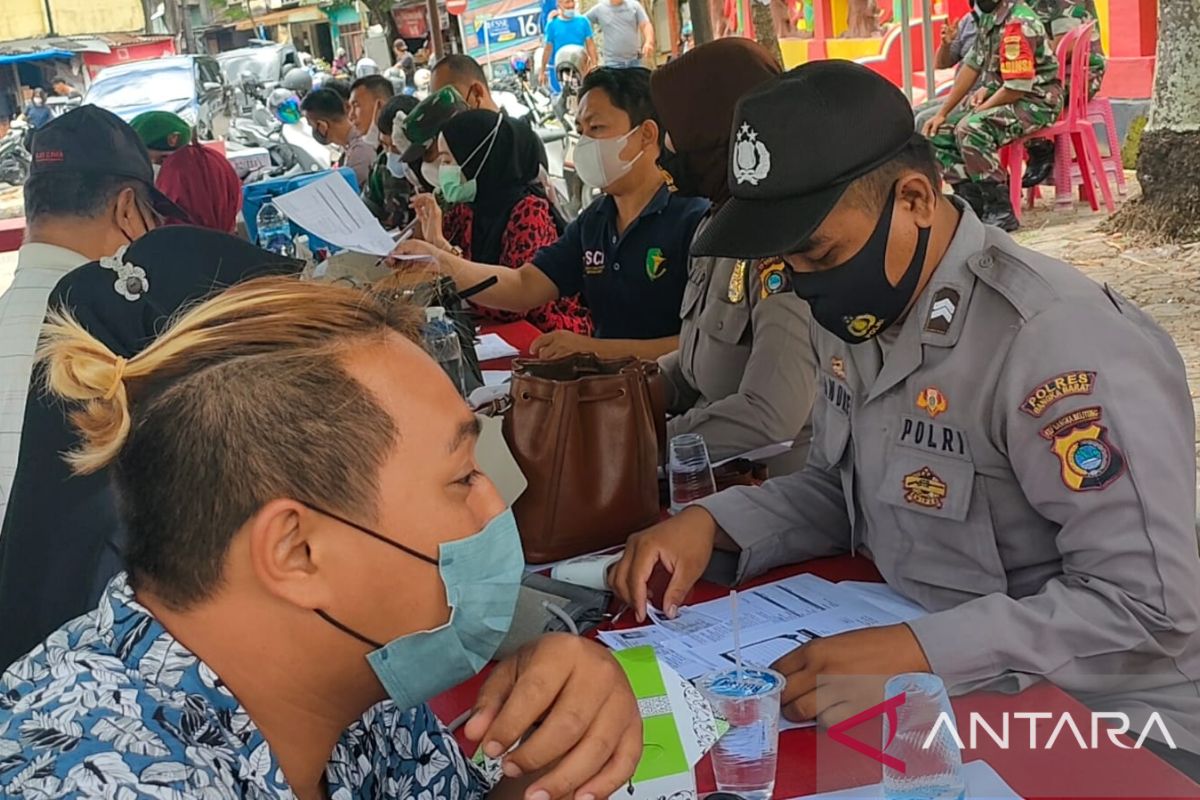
112,706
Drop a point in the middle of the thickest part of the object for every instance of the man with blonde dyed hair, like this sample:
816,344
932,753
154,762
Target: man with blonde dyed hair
302,576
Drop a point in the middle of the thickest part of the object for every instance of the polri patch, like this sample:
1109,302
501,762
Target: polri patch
1080,417
924,488
1088,460
943,309
1068,384
933,437
932,401
773,278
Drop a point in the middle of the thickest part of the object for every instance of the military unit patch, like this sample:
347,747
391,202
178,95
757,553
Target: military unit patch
924,488
773,276
1016,54
932,401
942,310
1067,384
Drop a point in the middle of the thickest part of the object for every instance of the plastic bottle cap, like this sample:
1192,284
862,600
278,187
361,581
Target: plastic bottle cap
433,313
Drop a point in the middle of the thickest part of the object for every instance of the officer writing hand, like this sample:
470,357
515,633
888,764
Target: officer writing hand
683,545
590,732
851,668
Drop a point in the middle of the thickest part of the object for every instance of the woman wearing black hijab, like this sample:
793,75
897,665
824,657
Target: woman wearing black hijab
496,212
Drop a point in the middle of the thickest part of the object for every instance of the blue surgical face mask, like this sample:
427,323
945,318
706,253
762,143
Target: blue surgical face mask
482,575
568,13
395,165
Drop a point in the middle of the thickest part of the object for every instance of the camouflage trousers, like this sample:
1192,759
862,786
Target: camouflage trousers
968,145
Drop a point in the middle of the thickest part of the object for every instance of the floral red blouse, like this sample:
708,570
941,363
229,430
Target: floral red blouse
530,228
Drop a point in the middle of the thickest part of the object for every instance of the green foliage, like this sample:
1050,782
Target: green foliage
1133,143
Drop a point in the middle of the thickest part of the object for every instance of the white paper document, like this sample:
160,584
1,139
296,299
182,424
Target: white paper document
490,346
775,618
983,783
329,209
496,377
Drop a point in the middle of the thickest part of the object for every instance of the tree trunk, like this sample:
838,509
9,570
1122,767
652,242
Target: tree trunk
862,19
764,28
1168,164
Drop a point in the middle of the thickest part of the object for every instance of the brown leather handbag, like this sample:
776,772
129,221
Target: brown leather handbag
589,434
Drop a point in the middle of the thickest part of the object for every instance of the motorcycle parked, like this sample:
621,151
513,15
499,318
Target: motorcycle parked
14,158
291,147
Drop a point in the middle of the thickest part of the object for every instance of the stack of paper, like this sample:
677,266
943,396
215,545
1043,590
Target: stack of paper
776,618
491,346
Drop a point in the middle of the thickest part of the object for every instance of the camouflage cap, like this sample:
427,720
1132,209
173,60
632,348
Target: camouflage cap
425,121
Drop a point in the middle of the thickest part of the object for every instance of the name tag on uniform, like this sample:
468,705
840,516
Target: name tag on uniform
837,393
933,437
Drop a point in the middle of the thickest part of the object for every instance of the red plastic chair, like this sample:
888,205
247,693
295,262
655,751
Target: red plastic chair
1073,126
1100,112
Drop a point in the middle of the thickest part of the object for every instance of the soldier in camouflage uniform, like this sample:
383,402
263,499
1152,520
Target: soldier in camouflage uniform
1020,94
1059,17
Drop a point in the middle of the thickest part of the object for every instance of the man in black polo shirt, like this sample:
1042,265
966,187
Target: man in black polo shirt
627,253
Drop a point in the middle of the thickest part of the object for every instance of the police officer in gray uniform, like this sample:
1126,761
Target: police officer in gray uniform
1011,443
744,375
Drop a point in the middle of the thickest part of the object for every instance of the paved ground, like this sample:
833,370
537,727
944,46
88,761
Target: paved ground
1165,280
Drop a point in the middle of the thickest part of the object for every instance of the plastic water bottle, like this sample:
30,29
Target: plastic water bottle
922,740
274,231
443,343
691,472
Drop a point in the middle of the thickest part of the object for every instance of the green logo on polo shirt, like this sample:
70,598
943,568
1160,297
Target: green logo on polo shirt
656,263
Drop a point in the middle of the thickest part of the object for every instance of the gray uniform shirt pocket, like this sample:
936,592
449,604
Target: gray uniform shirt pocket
942,534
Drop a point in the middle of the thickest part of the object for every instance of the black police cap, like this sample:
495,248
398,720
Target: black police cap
797,143
89,139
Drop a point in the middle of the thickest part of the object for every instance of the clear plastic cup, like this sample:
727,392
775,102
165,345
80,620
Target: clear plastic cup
744,757
690,470
922,741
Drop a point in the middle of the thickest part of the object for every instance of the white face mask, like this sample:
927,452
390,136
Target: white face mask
598,162
429,171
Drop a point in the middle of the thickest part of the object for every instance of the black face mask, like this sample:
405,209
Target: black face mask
986,6
854,300
680,179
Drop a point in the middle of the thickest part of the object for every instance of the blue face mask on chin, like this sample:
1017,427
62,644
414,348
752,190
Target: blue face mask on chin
482,575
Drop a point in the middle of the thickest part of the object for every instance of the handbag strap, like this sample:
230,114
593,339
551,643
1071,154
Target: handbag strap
656,384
